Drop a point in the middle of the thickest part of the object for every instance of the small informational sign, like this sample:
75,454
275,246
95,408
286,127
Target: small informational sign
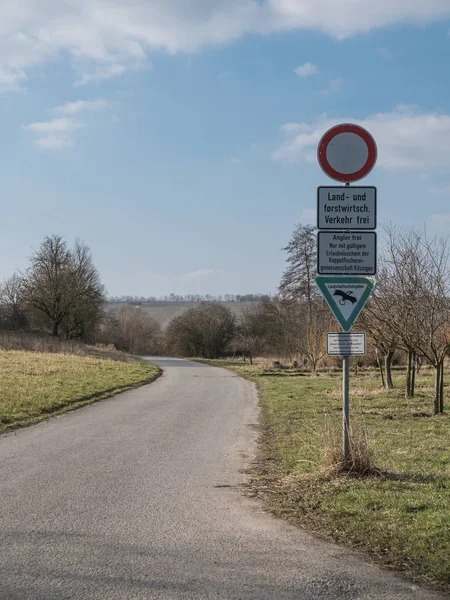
346,296
341,207
346,253
347,152
346,344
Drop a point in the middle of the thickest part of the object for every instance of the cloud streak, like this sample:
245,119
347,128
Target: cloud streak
58,133
73,108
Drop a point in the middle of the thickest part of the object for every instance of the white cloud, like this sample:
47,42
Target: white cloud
73,108
103,38
235,160
307,70
102,72
335,86
53,126
10,80
407,138
58,133
201,273
55,134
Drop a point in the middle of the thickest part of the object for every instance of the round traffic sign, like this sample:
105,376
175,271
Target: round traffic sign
347,152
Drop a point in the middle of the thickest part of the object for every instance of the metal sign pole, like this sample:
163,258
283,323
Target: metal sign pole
346,409
346,405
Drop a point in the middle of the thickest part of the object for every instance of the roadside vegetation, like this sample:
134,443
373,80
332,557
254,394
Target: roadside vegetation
395,503
37,385
391,500
59,347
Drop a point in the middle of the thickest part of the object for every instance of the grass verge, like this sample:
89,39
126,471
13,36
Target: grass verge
37,385
399,512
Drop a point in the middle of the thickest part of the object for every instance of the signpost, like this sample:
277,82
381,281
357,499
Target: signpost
346,344
354,207
347,152
346,296
345,248
346,253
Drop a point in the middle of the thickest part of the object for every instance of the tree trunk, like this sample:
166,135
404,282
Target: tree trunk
413,375
408,375
441,389
388,369
381,369
55,328
437,388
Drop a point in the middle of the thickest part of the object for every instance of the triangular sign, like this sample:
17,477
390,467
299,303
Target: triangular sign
346,296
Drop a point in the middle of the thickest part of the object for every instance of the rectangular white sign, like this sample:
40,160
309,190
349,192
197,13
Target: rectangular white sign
346,253
341,207
346,344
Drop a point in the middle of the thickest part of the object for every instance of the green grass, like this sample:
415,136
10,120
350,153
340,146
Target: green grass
35,385
400,514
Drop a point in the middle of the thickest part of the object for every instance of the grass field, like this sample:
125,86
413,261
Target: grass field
164,312
400,512
36,385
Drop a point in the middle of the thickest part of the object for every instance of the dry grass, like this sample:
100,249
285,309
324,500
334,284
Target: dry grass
394,503
36,385
38,342
360,461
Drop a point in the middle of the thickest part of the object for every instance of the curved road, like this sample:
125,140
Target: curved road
130,498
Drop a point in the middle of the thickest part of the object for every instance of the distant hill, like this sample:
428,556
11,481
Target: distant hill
163,312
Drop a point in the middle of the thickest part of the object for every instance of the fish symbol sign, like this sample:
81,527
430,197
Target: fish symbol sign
346,296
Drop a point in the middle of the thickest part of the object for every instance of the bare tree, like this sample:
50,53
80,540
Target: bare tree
62,284
12,312
248,341
315,322
205,331
131,329
377,318
421,314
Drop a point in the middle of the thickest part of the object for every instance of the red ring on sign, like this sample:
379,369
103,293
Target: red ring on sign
330,135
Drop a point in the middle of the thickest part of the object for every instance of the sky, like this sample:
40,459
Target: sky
178,138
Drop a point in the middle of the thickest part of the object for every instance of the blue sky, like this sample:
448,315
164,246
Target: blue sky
178,139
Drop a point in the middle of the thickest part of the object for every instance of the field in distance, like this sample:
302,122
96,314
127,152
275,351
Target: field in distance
163,311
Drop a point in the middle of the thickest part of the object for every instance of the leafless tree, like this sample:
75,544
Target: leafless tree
12,312
420,315
131,329
205,331
377,318
315,322
63,284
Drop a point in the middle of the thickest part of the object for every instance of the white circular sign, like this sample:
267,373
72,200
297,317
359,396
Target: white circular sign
347,153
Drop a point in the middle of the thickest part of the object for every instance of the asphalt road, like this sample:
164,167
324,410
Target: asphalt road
128,499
